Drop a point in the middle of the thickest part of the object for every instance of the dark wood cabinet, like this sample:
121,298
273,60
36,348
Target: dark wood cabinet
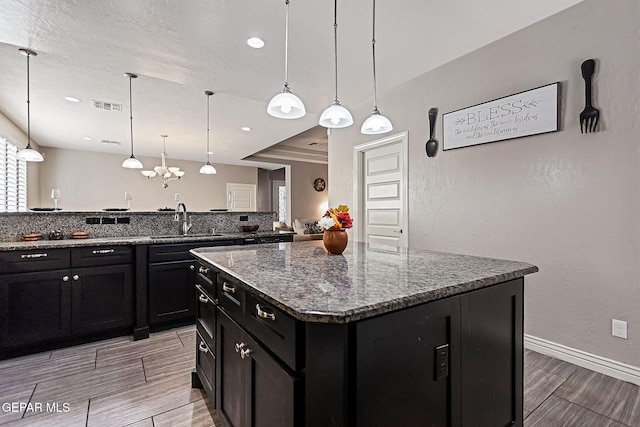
34,307
172,292
101,298
254,389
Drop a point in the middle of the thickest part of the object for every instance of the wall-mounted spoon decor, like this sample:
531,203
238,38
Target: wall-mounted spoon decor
590,116
432,144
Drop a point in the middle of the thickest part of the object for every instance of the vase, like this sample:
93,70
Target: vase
335,241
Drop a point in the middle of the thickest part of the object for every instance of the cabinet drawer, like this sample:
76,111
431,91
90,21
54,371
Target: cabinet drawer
206,316
101,255
206,278
231,297
206,367
34,260
275,329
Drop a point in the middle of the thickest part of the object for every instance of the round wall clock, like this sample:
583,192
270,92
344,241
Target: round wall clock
319,184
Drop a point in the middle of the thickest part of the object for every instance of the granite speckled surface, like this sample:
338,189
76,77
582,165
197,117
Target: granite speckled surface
303,280
13,225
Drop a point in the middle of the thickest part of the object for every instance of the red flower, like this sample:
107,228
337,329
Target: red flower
345,219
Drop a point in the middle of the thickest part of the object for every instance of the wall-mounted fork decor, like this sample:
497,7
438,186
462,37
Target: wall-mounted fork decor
590,116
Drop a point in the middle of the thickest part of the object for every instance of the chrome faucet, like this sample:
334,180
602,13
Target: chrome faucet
186,221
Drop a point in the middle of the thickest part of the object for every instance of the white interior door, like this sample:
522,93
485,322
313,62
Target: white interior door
241,197
382,193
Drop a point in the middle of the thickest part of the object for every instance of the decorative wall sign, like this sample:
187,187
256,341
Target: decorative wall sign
526,113
319,184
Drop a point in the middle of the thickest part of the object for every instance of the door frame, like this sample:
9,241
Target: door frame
358,182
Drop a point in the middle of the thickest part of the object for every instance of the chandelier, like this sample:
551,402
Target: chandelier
164,173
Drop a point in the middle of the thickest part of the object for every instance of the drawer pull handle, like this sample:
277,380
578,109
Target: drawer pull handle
203,347
191,267
245,353
76,277
203,298
203,270
65,278
264,314
227,288
103,251
239,346
29,256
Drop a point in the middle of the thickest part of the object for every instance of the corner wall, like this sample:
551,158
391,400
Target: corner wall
566,202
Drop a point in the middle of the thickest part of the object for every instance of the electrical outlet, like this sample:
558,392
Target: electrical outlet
619,328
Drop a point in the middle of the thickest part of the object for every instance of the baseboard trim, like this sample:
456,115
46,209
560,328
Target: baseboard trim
590,361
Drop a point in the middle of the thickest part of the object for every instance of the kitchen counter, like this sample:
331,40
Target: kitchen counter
131,240
304,281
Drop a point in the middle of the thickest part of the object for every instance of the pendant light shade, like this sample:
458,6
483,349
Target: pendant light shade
29,154
286,105
131,162
377,123
336,116
208,169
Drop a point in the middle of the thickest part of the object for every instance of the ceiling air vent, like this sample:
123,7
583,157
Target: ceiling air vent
106,141
106,106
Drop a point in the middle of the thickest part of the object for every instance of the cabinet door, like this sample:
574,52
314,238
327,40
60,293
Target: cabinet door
34,307
172,294
402,375
492,355
102,298
254,390
231,374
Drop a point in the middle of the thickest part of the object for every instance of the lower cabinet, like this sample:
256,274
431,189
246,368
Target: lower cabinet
172,292
253,389
34,307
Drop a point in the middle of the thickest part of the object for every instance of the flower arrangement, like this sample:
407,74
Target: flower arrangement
336,219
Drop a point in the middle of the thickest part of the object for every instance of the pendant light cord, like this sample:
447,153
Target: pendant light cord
131,114
286,46
373,47
28,106
208,103
335,42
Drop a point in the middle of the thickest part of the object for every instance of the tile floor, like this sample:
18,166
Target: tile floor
147,383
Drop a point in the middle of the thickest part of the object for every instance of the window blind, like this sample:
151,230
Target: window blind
13,179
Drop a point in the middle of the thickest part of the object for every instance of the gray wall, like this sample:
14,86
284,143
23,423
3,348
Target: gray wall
567,202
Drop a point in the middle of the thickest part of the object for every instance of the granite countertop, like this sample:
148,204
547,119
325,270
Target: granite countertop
131,240
303,280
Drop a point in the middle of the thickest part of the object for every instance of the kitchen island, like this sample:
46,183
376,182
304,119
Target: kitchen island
378,336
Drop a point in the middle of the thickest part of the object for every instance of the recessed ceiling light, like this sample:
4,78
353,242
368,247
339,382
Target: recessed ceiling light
72,99
255,42
86,138
209,152
246,128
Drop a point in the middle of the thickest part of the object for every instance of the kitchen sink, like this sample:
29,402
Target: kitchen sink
180,236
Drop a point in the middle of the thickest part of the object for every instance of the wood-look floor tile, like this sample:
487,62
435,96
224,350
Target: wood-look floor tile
76,417
634,420
45,370
188,337
169,362
90,384
117,353
196,414
557,412
147,422
538,385
155,397
525,413
24,360
605,395
89,347
17,394
534,360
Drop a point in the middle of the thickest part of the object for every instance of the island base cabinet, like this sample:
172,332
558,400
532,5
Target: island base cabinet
34,307
172,292
403,367
253,390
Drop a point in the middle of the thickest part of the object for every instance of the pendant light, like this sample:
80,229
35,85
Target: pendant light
29,154
208,169
286,105
131,162
336,116
376,123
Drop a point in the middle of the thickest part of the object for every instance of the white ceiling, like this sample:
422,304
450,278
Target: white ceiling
179,48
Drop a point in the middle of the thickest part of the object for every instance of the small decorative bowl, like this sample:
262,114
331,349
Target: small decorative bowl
253,227
31,237
79,234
